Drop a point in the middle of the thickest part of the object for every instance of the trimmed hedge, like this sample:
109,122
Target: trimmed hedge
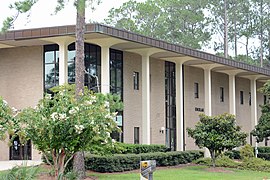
127,162
233,154
140,148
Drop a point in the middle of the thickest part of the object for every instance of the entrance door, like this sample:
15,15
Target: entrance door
19,151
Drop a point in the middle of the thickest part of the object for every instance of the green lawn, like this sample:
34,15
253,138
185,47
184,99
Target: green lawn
192,172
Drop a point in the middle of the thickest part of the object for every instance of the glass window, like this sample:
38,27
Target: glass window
92,65
136,135
170,107
51,66
241,97
249,98
221,94
264,99
116,82
136,80
196,90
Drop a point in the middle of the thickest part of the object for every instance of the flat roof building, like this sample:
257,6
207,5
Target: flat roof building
163,86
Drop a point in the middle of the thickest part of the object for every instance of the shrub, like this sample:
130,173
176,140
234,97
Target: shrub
256,164
264,149
126,162
265,156
247,152
221,161
21,172
233,154
139,148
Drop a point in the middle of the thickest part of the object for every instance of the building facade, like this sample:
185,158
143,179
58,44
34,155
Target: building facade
164,87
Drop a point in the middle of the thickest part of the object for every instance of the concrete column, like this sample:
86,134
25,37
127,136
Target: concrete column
105,69
145,99
63,65
232,106
253,91
179,107
207,92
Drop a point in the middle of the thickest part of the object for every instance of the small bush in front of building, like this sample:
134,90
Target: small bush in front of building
233,154
124,148
247,152
264,149
221,161
265,156
255,164
126,162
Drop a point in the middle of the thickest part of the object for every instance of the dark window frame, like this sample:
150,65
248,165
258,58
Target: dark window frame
196,90
55,49
249,98
136,80
136,135
221,89
170,105
241,97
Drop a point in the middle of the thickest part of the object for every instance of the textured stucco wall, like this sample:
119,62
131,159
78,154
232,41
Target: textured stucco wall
191,117
21,81
157,105
132,98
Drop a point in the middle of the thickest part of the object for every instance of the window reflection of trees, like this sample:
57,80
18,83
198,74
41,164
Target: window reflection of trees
92,64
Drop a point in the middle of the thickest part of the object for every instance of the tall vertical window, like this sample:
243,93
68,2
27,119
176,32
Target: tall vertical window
249,98
136,135
51,66
136,80
92,62
196,90
264,99
241,97
170,105
116,82
221,94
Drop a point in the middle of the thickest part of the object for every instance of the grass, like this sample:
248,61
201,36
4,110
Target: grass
190,173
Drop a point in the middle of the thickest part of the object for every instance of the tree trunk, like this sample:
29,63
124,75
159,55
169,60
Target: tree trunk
235,30
78,162
225,30
261,34
213,157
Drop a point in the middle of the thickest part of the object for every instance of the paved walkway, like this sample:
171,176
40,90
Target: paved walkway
5,165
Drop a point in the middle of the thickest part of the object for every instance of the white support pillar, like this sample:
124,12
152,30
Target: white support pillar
253,91
105,69
63,65
145,99
179,107
232,106
207,92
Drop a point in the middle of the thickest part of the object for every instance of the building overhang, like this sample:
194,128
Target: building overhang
127,41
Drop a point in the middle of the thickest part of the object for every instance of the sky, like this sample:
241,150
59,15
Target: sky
42,13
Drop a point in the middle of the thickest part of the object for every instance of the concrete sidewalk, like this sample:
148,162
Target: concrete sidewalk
5,165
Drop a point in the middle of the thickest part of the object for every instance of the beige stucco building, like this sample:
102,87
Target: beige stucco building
164,86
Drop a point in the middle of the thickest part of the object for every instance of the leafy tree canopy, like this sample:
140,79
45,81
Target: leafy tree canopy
217,133
262,129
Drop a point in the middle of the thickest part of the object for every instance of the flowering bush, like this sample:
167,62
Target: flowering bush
63,124
7,119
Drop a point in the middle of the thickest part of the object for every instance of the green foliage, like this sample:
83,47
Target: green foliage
139,148
262,129
181,22
20,172
233,154
63,125
126,162
217,133
247,152
221,161
256,164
